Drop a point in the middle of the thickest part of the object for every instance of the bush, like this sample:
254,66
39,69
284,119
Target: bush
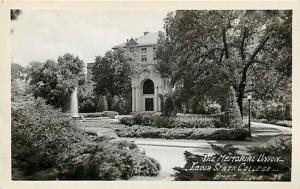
224,134
39,134
137,131
213,108
269,110
285,123
46,147
199,105
282,148
87,104
169,107
194,122
186,121
101,104
144,118
118,161
232,117
91,115
111,114
163,122
127,121
274,111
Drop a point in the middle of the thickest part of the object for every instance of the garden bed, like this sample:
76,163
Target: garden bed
180,121
139,131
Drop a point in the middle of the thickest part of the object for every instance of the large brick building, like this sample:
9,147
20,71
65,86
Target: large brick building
147,83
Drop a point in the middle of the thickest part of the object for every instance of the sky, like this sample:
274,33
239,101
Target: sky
40,35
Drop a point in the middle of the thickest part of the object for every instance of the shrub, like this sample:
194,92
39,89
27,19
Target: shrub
127,121
91,115
213,108
169,107
199,105
101,104
224,134
232,117
144,118
163,122
39,134
194,122
46,147
87,104
118,161
282,148
274,110
111,114
115,103
285,123
181,133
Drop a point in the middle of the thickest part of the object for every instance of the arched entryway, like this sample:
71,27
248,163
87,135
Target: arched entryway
148,95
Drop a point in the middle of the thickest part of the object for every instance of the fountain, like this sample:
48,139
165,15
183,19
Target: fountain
74,104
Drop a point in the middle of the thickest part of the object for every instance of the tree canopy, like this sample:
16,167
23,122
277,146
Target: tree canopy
54,81
205,52
112,73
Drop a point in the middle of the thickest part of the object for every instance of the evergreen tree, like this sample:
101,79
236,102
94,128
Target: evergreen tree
168,109
232,117
101,104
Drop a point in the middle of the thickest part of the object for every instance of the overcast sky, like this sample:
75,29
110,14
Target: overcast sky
42,35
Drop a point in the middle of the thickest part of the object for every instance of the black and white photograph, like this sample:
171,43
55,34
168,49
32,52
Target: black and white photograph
151,95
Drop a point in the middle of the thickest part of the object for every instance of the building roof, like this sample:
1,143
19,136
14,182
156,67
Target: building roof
90,65
146,39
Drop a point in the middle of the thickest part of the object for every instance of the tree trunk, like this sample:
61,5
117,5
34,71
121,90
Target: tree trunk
241,89
240,101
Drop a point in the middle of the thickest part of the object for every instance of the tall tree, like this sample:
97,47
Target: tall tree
112,73
212,50
56,81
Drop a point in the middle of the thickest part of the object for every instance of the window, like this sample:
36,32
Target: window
154,48
148,87
144,58
154,57
144,49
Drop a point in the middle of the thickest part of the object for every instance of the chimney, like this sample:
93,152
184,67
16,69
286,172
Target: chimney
145,33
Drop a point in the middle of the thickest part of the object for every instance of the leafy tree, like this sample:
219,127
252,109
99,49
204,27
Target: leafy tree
17,71
226,48
55,81
232,117
86,98
112,74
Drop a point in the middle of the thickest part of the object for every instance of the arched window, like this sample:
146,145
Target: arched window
148,87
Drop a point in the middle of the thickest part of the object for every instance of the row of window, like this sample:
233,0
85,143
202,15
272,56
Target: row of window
144,58
144,49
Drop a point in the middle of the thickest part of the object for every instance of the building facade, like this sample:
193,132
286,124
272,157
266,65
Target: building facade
147,84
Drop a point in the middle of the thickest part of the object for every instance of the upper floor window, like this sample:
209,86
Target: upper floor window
154,57
144,58
144,49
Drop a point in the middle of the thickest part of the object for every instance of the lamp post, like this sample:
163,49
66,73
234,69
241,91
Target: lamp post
249,117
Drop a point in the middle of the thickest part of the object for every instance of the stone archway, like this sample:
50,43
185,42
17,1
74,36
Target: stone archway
148,95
